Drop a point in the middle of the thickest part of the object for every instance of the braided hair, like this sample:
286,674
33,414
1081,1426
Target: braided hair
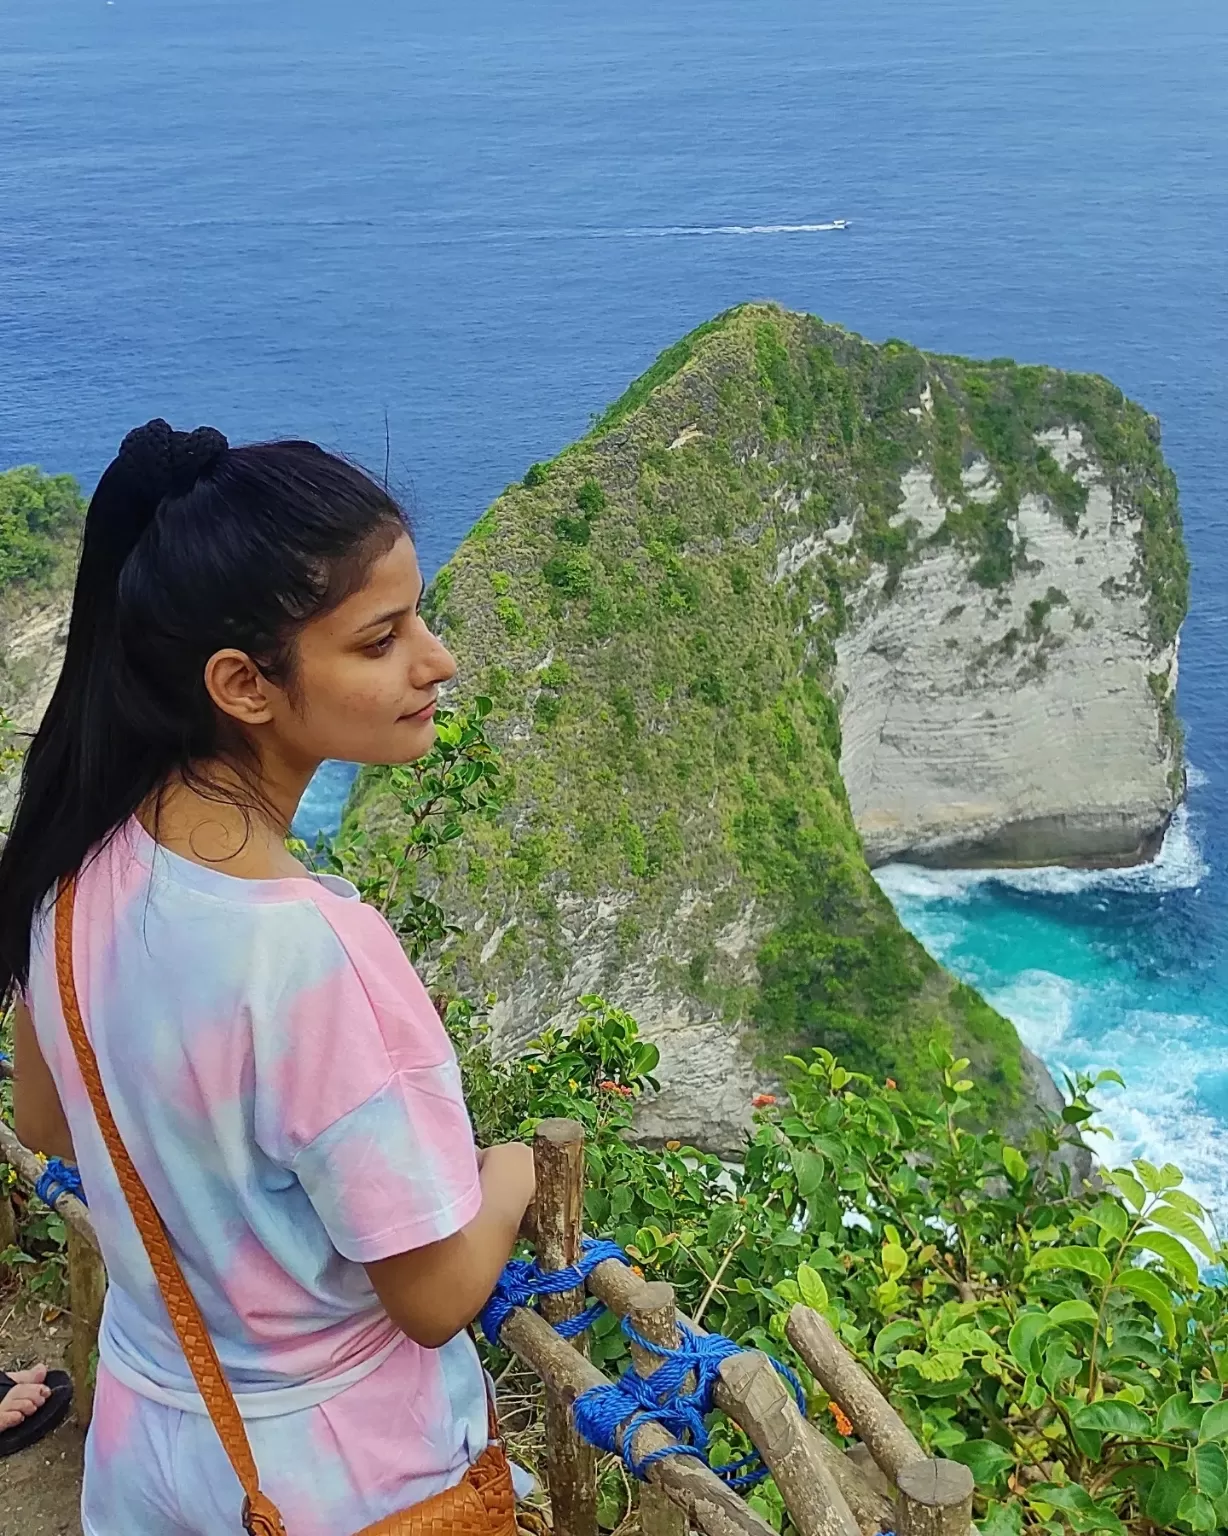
190,546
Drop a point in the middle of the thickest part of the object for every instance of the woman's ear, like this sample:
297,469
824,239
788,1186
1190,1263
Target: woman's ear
238,687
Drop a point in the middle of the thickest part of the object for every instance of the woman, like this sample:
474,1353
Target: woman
273,1065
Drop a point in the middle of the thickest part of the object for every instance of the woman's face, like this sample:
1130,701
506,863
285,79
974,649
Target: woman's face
367,674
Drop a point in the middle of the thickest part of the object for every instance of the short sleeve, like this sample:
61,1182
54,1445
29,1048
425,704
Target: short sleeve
359,1093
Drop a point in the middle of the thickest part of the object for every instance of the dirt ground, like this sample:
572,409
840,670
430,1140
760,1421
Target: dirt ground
40,1489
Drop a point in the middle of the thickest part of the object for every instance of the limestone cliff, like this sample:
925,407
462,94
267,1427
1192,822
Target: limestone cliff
1027,723
788,561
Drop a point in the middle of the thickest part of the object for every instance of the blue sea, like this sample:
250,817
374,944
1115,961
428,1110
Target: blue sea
442,236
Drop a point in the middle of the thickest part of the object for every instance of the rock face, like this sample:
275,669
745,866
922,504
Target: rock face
794,594
1029,724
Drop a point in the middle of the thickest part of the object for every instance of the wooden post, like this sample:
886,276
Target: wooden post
877,1423
655,1320
87,1285
935,1498
767,1412
571,1465
8,1219
714,1508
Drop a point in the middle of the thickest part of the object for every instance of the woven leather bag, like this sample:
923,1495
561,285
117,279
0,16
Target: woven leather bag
481,1504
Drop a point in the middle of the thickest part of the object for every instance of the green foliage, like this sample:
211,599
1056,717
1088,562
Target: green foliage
458,780
535,475
40,519
1058,1340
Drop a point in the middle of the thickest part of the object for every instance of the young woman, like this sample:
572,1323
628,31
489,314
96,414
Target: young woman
274,1066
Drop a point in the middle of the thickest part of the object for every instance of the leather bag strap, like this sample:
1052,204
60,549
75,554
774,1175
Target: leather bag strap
260,1515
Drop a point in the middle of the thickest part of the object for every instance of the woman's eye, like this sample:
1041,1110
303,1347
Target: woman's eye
381,646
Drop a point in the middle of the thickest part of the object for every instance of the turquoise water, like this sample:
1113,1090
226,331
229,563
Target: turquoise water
448,235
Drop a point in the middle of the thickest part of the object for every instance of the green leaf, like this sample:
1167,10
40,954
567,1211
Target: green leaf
1214,1423
1110,1218
1002,1520
1088,1261
1206,1392
811,1172
1015,1164
1082,1513
1073,1312
985,1459
1197,1510
1023,1339
1149,1288
1178,1415
1149,1174
1129,1186
813,1291
1167,1492
1209,1466
1184,1202
1181,1224
1178,1258
892,1336
1111,1416
895,1260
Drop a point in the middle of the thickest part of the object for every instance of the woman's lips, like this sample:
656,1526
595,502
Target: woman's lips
427,712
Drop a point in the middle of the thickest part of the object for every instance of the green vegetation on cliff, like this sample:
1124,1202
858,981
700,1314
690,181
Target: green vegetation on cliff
654,615
40,522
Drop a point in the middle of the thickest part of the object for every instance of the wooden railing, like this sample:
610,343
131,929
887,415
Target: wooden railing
886,1483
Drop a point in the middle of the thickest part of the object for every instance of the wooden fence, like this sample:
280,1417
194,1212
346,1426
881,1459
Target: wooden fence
885,1483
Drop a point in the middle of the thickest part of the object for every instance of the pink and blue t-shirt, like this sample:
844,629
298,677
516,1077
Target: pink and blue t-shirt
288,1094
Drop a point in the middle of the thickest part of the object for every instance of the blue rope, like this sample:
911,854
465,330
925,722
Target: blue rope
59,1178
522,1282
633,1400
662,1398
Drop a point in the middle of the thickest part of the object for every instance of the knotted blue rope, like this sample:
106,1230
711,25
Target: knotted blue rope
59,1178
665,1398
522,1282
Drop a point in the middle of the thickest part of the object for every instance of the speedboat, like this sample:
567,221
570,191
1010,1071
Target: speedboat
839,223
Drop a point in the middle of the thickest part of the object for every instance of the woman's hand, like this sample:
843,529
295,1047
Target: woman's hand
431,1293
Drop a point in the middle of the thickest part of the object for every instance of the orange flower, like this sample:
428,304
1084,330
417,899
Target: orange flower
763,1100
636,1270
843,1426
891,1082
673,1146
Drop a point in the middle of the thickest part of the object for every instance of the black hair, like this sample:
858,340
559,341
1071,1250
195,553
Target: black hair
190,546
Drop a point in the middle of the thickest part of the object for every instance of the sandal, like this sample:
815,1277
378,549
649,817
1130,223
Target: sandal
44,1419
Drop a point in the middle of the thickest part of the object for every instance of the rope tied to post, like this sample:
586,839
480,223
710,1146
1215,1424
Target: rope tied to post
678,1397
59,1178
523,1281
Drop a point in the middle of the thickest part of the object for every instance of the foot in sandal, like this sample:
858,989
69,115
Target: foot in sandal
32,1404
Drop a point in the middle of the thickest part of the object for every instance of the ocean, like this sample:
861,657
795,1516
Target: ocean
442,237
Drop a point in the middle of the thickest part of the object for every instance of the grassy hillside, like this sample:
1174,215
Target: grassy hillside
661,694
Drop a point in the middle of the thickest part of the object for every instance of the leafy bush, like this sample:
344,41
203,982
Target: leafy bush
458,778
535,475
1058,1339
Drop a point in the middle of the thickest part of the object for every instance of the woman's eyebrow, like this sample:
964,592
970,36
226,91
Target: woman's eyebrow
385,618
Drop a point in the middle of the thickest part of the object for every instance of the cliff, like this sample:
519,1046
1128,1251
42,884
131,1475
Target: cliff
799,602
40,528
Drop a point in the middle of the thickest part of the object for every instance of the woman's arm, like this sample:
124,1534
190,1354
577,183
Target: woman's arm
432,1293
38,1117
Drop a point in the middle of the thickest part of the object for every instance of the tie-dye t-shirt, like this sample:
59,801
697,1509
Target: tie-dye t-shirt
288,1094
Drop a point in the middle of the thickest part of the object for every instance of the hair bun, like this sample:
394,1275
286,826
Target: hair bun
161,462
